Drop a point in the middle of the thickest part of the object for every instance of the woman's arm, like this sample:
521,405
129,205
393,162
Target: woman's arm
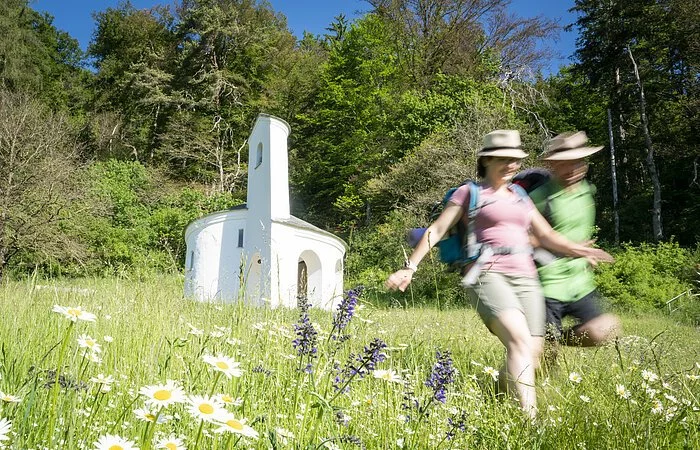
449,217
554,241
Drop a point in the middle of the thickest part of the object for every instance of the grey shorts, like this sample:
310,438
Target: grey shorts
496,292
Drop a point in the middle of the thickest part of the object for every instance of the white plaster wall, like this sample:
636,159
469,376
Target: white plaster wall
213,256
289,243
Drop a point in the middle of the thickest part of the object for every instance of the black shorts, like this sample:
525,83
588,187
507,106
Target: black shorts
583,310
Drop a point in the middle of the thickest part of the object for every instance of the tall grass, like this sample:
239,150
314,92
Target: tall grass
337,391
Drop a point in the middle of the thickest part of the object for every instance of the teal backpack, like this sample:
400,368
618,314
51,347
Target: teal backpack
459,246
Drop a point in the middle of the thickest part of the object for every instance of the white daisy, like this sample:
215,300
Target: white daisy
671,398
9,398
622,391
491,371
171,442
657,407
92,357
205,408
284,435
649,376
85,341
387,375
194,330
224,364
226,399
146,415
5,426
114,442
575,377
229,424
585,398
163,395
101,379
108,338
74,313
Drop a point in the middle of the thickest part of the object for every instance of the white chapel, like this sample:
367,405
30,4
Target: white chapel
257,252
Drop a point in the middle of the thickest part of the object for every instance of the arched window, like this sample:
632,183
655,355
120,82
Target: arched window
259,157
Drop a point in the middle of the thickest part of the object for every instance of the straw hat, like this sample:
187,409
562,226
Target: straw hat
567,146
502,143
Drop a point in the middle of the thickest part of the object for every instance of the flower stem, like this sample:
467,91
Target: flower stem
199,434
213,386
56,386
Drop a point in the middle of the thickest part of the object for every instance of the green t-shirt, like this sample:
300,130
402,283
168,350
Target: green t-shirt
571,212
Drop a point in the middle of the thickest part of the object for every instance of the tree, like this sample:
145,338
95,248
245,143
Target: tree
462,37
228,51
665,70
343,138
37,171
37,58
134,53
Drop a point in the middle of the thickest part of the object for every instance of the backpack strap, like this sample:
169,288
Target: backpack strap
517,189
471,246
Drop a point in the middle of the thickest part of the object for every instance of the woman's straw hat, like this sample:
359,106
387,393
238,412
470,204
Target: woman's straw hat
502,143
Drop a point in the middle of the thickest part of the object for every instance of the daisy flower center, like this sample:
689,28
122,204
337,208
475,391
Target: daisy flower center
222,365
171,446
116,447
206,408
75,313
162,395
236,425
151,417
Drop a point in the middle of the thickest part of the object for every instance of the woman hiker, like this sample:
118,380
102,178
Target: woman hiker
502,283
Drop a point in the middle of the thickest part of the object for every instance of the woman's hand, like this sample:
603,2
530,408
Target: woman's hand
399,280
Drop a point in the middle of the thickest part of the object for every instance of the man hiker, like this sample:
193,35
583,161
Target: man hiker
566,201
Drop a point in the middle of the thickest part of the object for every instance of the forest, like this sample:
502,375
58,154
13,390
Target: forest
107,154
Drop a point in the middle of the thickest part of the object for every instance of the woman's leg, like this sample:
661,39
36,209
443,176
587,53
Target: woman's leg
511,308
510,326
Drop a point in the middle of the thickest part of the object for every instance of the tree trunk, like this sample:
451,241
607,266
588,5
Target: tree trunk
616,215
651,165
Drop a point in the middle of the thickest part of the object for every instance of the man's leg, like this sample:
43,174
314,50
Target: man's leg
553,330
595,327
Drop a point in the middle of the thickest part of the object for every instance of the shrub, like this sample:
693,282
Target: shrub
645,277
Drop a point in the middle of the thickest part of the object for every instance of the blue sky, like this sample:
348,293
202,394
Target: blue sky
75,16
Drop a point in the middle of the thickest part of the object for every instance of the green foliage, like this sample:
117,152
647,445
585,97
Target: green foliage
37,58
646,277
136,225
451,101
344,136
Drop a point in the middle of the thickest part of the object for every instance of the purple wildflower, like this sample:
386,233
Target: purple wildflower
457,422
360,365
307,337
443,374
345,312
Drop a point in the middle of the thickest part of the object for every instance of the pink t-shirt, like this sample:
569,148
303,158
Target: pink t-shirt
503,221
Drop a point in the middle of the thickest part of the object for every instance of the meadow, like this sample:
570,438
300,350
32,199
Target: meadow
117,364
